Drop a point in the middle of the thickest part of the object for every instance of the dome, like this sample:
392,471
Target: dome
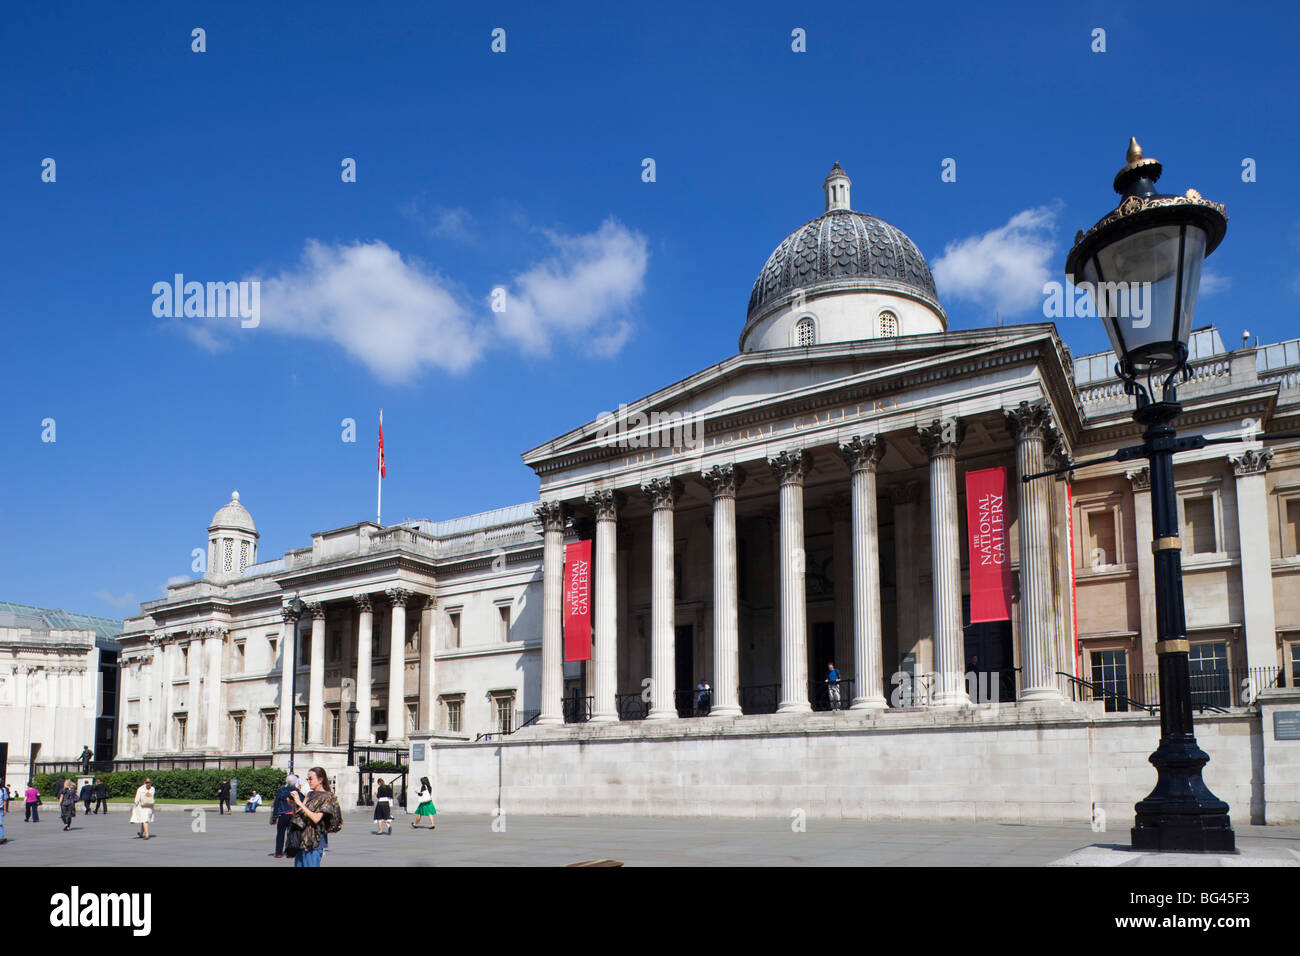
842,250
233,516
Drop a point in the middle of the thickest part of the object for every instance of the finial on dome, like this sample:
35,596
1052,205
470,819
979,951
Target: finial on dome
836,187
1137,169
234,496
1134,150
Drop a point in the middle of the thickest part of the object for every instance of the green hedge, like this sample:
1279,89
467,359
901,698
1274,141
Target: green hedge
180,784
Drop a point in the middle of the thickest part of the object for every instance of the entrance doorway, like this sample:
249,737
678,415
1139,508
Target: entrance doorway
823,647
684,669
989,650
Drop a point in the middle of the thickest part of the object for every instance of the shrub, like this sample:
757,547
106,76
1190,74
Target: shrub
199,785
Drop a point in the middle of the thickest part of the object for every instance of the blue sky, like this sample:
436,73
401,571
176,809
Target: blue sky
522,170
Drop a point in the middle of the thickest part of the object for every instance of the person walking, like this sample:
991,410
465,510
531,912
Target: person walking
223,797
33,798
142,807
424,804
384,808
316,816
4,796
101,797
282,812
87,795
833,685
68,804
4,808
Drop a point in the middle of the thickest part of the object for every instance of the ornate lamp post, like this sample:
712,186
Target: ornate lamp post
294,609
352,729
1142,265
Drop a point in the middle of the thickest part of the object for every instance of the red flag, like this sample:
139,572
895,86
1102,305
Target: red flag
577,601
990,564
382,472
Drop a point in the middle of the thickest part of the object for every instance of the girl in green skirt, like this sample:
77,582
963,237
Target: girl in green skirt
424,804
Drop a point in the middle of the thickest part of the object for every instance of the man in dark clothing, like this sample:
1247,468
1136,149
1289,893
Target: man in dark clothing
68,803
87,794
101,796
87,755
282,812
223,797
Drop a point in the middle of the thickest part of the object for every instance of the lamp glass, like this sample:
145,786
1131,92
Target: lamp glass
1136,284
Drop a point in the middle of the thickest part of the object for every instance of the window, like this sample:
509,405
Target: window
412,718
185,661
888,325
452,709
504,612
334,728
805,332
243,555
1198,525
1207,663
1110,673
274,644
1295,665
237,732
240,659
268,730
302,725
1101,538
133,739
503,711
1291,531
181,725
453,629
229,551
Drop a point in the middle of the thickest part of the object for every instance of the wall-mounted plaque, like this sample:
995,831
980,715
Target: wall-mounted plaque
1286,725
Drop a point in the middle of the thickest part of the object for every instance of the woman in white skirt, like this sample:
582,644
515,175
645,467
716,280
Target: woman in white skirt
142,808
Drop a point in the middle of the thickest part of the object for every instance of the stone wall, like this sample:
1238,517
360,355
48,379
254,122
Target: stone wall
1014,765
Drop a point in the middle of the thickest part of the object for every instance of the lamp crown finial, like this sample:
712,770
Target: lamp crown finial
1134,150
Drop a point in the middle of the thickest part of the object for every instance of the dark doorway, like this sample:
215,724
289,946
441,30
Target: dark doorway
988,650
684,669
823,645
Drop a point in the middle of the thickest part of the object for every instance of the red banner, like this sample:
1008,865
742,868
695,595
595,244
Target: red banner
990,562
577,601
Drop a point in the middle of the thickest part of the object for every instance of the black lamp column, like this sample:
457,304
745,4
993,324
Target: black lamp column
352,729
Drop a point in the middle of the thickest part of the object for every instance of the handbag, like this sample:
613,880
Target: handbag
293,841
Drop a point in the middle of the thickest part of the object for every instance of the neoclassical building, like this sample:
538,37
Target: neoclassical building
800,503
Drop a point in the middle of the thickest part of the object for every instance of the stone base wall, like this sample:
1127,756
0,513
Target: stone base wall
1016,764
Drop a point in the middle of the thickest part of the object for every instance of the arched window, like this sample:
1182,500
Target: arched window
805,332
888,325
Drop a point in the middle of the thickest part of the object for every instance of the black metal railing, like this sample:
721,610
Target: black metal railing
1212,690
382,755
577,710
252,761
631,706
822,696
684,701
759,698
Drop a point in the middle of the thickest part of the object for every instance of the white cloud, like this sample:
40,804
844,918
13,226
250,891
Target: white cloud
112,600
1213,282
1003,269
583,293
385,312
440,222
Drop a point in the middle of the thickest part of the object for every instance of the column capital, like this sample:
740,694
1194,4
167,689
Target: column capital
724,480
1140,477
942,436
1055,454
791,467
430,602
662,492
316,609
606,503
363,603
289,615
553,515
863,452
1027,422
398,596
1252,461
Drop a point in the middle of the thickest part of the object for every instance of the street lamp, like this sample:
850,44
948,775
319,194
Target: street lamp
1141,263
293,611
352,729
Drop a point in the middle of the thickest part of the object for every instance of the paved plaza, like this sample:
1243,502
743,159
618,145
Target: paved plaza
244,839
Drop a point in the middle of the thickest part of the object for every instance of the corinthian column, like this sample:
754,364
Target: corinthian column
397,665
663,494
940,440
553,515
790,469
1256,560
724,481
288,646
1031,426
863,454
212,644
365,657
606,505
316,685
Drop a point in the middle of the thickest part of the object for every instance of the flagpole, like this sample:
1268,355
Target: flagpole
379,500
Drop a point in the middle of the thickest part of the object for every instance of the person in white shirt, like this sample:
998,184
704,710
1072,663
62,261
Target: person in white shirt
253,803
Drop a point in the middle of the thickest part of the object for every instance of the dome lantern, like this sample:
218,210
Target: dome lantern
232,540
836,187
